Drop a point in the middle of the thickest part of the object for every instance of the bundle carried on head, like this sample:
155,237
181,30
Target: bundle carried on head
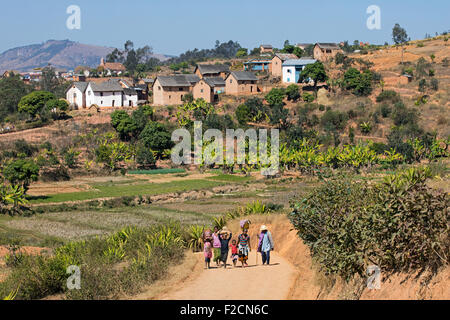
207,235
245,224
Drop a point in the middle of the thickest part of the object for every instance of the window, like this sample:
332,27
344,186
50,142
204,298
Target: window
159,88
201,90
328,51
231,80
180,89
101,94
101,102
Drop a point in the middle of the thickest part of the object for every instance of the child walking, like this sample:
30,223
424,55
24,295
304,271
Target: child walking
207,251
234,252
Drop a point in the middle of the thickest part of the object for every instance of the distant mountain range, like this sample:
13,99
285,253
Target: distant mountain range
61,54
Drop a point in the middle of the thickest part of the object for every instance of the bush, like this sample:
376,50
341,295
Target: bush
293,92
23,147
434,84
145,158
400,224
389,95
385,110
307,97
275,96
156,137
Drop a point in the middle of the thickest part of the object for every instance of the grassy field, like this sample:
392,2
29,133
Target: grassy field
108,190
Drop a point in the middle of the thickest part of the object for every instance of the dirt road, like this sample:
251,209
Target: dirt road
255,282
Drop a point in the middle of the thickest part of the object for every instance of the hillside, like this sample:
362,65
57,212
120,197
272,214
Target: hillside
64,54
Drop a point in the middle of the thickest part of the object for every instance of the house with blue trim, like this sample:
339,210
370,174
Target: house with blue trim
293,67
257,65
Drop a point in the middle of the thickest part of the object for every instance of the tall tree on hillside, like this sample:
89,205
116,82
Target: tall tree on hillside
12,89
399,36
316,72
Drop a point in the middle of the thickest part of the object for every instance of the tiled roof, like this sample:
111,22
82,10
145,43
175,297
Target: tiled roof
110,85
215,81
81,85
244,75
115,66
129,91
332,46
212,68
286,56
179,80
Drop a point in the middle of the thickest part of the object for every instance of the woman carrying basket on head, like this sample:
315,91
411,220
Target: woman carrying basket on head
244,244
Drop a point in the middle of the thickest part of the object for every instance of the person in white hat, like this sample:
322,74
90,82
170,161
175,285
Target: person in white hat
265,244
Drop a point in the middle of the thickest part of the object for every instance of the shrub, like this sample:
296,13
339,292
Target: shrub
434,84
385,110
156,137
293,92
422,85
349,225
307,97
389,95
275,96
145,158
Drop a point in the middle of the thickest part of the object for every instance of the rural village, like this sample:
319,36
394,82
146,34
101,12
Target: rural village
87,177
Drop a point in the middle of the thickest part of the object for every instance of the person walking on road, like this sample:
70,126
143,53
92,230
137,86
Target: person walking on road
225,237
244,247
216,246
265,244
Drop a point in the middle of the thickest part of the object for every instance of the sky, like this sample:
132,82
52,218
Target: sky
174,26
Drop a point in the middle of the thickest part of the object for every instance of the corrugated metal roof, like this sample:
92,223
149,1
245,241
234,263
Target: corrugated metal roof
298,62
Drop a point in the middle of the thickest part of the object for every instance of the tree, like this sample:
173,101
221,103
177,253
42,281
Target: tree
298,52
359,83
144,157
156,137
142,116
123,124
293,92
278,116
21,172
242,52
243,114
314,71
275,96
399,36
34,102
334,122
12,89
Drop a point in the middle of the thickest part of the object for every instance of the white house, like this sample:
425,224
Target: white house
130,97
104,94
292,68
76,95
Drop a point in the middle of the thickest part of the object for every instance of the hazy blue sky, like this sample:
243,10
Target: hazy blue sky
173,26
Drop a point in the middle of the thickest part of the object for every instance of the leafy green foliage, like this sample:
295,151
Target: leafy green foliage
156,137
124,124
293,92
275,96
34,102
398,225
21,172
360,83
314,71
